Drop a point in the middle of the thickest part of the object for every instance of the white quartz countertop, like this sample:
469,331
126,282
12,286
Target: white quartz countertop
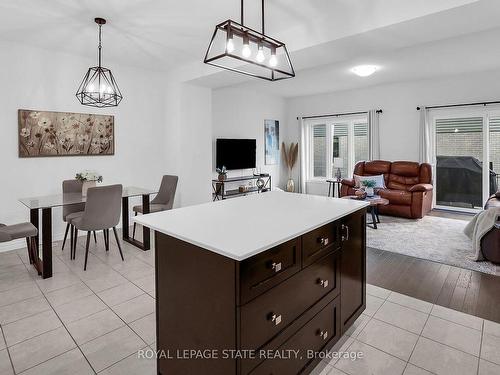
239,228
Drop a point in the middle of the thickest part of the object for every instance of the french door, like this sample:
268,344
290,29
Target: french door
466,157
336,143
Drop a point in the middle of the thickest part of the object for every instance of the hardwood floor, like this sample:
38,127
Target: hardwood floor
468,291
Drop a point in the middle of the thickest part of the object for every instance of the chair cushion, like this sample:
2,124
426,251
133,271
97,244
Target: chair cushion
398,197
22,230
152,208
74,215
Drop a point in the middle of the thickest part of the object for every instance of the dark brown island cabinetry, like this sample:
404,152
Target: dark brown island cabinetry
217,315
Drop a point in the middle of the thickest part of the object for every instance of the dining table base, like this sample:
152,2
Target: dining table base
146,241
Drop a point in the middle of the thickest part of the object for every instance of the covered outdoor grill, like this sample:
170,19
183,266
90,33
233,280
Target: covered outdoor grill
459,181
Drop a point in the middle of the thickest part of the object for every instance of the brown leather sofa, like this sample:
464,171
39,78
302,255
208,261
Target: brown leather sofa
490,243
408,186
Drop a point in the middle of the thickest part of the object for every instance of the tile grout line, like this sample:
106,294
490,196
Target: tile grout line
69,333
416,342
8,351
480,348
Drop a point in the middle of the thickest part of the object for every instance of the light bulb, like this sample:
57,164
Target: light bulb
273,61
230,45
260,55
90,87
246,51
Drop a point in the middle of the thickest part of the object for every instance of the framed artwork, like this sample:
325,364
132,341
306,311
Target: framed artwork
43,134
272,141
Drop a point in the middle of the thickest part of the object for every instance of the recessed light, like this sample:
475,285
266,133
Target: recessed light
364,70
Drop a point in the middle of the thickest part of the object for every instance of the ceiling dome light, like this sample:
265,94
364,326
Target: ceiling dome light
364,70
258,55
108,93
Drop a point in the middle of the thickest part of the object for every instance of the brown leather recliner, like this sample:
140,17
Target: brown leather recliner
490,243
408,186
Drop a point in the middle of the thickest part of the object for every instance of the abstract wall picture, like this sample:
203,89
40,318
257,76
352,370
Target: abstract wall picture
43,133
272,141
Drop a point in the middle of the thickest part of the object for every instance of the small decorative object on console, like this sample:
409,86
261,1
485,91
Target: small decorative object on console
222,173
89,179
360,194
338,163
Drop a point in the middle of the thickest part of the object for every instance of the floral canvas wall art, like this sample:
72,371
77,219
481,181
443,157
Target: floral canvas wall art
43,133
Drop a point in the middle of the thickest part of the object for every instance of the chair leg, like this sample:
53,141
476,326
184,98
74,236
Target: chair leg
95,237
118,242
65,235
133,232
71,239
75,243
87,251
28,246
106,239
34,250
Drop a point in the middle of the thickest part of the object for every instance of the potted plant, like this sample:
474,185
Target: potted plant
222,173
369,185
89,179
290,157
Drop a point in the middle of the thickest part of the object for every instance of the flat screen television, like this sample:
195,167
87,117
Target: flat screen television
235,153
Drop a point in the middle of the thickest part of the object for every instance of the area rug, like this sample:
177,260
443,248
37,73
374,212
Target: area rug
433,238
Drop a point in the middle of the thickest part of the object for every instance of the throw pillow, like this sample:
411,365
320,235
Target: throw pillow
379,180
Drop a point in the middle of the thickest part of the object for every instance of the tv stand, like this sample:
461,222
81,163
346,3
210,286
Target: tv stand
220,192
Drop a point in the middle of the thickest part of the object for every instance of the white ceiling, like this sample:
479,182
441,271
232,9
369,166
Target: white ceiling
407,38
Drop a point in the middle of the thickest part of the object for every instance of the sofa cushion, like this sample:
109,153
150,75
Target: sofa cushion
397,197
406,169
398,182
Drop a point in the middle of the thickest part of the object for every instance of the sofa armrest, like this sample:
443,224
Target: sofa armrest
421,187
348,181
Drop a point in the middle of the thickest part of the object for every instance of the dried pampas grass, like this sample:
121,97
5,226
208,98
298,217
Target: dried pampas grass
290,154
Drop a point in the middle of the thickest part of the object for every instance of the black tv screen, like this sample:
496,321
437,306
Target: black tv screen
235,153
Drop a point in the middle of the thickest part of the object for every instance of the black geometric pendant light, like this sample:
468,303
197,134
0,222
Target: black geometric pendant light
240,49
98,87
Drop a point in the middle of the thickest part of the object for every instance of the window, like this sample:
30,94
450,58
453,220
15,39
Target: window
337,143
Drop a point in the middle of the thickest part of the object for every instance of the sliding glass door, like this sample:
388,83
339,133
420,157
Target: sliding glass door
466,155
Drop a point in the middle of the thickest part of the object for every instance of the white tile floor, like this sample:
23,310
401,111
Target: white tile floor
95,322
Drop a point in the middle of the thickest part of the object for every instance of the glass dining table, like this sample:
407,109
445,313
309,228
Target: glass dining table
45,204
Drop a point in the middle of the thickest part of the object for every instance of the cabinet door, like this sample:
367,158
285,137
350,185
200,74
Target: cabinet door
353,268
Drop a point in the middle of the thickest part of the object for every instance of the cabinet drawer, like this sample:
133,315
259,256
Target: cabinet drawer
270,313
314,335
262,272
319,242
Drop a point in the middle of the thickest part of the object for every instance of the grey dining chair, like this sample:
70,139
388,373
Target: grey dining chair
163,201
22,230
73,211
102,212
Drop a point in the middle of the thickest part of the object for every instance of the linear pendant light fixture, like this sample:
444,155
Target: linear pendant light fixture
98,87
243,50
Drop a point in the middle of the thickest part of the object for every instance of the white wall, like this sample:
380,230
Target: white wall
240,113
188,140
399,121
34,78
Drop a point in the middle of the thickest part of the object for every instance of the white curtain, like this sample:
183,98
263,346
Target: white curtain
374,133
304,155
426,138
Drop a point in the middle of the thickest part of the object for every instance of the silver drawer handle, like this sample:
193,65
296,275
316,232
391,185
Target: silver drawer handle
323,283
276,267
276,319
323,241
345,229
323,334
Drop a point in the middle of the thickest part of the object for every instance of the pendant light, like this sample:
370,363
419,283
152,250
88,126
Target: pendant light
98,87
243,50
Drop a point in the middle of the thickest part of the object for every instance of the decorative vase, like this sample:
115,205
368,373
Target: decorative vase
222,177
86,185
290,185
369,191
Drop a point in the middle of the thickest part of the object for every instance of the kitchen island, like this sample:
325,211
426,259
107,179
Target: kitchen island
256,285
